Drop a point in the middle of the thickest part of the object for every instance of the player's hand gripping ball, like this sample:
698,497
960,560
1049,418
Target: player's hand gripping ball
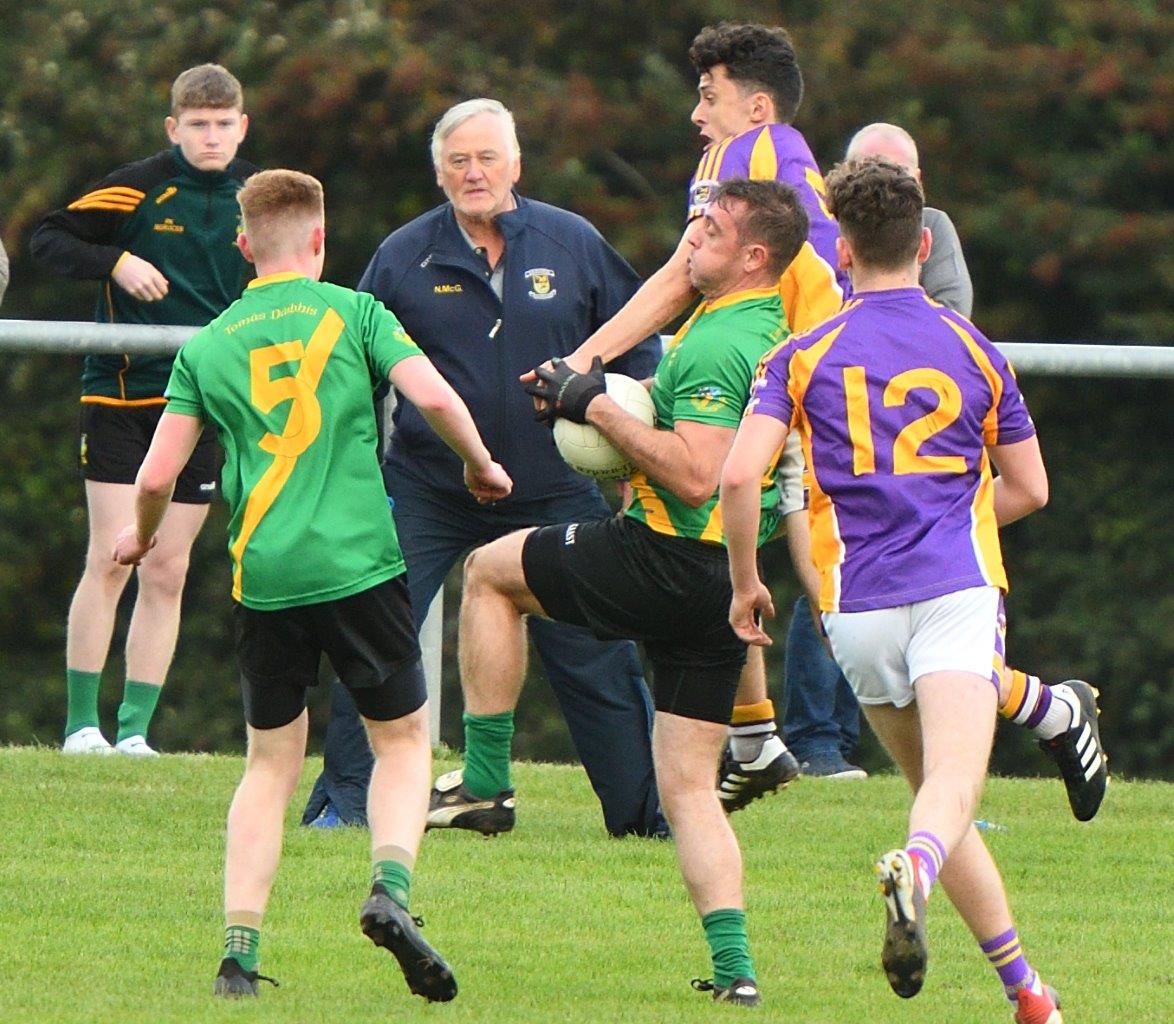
586,450
566,392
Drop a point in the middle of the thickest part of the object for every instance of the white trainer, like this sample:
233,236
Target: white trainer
135,746
88,740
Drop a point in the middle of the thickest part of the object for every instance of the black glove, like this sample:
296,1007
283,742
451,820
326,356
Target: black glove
567,393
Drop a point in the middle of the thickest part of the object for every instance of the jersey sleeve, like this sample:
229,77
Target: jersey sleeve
79,241
1013,421
729,158
712,385
770,392
384,339
183,392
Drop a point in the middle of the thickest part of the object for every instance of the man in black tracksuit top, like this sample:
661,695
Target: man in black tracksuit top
160,236
489,285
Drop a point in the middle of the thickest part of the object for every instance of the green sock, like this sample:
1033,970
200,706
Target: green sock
396,878
243,944
487,753
136,709
82,699
725,931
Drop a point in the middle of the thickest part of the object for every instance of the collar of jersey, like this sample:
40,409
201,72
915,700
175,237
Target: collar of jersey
746,295
278,278
193,172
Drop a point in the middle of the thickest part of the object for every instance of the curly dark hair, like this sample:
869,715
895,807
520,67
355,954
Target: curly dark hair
755,57
773,215
879,206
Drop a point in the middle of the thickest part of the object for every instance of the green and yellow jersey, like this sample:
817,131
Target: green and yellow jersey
705,377
286,375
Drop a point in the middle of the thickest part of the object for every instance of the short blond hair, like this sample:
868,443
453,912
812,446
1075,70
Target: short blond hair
276,206
206,85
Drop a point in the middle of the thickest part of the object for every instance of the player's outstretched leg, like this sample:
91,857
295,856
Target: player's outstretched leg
905,951
941,745
1078,751
397,804
253,849
971,880
685,751
1063,719
492,656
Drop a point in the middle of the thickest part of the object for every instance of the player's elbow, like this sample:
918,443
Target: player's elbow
435,401
694,497
1037,493
737,476
154,484
155,478
697,489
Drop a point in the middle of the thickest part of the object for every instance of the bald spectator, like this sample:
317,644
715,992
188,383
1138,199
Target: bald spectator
944,275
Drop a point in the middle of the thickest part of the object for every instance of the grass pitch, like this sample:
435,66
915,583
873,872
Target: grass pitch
111,908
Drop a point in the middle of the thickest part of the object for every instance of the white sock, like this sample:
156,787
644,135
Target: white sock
1062,714
746,740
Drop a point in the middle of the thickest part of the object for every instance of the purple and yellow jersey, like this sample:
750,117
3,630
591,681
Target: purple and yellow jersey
811,288
896,399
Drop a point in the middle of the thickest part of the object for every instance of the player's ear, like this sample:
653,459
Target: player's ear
761,108
756,258
244,128
843,253
925,245
242,243
169,126
318,238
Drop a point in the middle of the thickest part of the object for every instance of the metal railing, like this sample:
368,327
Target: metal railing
1072,360
73,338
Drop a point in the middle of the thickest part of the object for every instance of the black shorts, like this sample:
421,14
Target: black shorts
369,637
622,580
114,442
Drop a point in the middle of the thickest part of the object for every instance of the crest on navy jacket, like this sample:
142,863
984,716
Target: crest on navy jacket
541,286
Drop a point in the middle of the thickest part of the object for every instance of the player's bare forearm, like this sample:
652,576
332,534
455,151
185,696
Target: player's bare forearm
687,460
448,415
442,407
799,545
1022,485
176,437
753,449
451,420
150,508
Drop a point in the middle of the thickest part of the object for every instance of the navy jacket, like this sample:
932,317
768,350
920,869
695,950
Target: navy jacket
562,280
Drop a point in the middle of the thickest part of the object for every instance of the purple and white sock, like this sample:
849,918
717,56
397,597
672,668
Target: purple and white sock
929,854
1006,956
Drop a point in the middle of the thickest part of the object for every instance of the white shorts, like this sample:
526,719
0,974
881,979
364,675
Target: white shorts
790,475
883,652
